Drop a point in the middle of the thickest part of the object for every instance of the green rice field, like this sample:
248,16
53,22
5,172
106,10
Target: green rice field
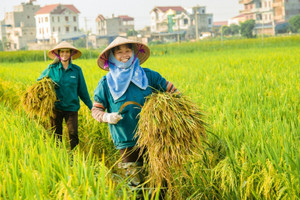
249,92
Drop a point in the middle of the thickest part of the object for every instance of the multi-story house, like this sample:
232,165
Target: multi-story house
57,22
268,13
114,26
19,26
177,22
160,18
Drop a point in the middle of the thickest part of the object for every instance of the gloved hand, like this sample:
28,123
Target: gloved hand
111,118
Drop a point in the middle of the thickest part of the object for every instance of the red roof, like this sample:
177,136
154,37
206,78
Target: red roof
100,18
49,8
222,23
166,8
126,18
239,16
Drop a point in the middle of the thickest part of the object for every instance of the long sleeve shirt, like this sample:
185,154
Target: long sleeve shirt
70,87
123,133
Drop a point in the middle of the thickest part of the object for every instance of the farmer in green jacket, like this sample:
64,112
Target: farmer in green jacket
70,86
126,84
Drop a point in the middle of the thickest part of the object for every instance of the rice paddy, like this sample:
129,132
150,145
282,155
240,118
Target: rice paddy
249,95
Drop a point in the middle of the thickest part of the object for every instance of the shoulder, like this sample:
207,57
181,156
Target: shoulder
76,67
102,81
150,72
54,65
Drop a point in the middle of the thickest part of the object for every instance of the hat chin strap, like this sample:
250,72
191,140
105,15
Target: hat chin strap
73,53
140,47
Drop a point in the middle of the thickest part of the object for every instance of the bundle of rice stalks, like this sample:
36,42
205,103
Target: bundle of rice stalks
38,100
171,129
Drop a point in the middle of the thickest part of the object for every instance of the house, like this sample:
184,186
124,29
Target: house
114,26
268,13
237,19
57,22
18,26
161,17
174,23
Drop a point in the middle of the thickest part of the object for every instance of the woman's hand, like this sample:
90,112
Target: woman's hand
112,118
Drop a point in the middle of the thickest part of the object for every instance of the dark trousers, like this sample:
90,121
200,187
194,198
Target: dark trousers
71,119
131,154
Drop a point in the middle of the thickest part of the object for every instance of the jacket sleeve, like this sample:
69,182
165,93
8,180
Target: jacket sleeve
44,73
83,92
100,101
161,84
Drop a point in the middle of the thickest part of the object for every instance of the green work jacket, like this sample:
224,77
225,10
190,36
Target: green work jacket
70,86
123,133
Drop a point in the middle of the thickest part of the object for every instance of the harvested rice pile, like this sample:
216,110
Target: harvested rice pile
38,100
171,128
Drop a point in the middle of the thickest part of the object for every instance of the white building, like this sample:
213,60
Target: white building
114,26
57,22
177,22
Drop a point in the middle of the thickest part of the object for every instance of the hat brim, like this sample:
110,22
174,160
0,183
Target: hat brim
64,45
138,47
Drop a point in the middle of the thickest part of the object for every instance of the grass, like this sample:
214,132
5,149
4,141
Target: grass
249,93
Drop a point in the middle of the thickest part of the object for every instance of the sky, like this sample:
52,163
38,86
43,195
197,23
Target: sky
222,10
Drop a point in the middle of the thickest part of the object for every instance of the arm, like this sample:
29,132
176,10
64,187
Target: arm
161,84
171,88
83,92
98,113
44,73
100,104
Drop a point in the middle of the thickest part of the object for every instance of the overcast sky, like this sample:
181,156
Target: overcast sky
222,10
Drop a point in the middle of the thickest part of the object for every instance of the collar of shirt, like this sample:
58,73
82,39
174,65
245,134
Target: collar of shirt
69,66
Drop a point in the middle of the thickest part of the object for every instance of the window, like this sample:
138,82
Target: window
74,18
53,29
46,19
75,28
67,29
28,17
185,21
66,18
209,21
52,19
40,31
39,20
58,18
58,29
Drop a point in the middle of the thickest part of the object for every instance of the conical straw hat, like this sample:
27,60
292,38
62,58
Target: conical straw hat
64,45
140,48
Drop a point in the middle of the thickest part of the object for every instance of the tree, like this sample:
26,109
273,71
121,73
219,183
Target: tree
132,32
226,30
295,24
1,46
80,43
235,29
247,28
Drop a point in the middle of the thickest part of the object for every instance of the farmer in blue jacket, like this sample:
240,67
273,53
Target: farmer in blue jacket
70,86
127,84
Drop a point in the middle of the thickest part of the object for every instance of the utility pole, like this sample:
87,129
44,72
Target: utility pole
262,30
86,34
178,35
196,23
222,36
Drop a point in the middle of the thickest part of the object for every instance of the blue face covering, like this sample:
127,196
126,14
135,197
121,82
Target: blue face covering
121,74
